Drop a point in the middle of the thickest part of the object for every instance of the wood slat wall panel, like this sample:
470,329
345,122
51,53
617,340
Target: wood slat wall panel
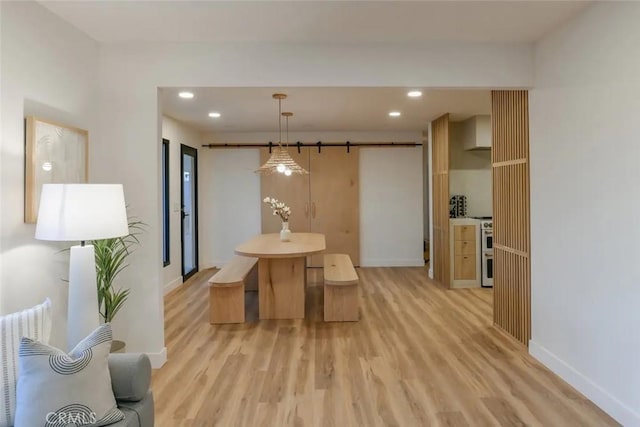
440,174
511,187
511,231
511,292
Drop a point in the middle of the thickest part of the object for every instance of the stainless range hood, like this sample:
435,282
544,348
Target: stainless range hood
476,133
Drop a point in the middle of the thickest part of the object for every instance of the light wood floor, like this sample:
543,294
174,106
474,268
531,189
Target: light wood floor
419,356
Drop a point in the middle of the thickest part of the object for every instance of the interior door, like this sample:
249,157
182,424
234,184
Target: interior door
334,206
189,211
292,190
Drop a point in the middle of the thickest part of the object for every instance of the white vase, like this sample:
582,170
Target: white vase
285,233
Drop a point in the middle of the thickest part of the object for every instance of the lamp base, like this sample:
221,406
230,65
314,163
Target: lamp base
83,312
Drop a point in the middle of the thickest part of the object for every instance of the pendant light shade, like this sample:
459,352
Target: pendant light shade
280,161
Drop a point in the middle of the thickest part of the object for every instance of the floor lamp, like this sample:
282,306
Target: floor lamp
81,212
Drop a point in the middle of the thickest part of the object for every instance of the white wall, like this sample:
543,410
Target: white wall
390,232
54,81
313,137
470,174
476,185
129,120
126,138
177,133
124,152
460,158
585,205
229,202
391,218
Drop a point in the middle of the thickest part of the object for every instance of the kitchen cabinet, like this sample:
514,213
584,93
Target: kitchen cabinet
464,267
465,247
326,201
465,253
465,232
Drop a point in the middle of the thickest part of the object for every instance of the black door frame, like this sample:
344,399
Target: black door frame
189,151
166,210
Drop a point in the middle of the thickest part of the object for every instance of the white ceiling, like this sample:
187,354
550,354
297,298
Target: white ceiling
320,109
340,109
315,21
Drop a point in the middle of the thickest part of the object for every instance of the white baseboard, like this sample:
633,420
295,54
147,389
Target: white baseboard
431,273
607,402
177,282
216,263
158,359
392,262
172,285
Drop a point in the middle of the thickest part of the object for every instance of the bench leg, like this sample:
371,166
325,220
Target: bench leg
226,304
341,303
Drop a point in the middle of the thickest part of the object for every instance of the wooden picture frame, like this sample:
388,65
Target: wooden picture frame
54,153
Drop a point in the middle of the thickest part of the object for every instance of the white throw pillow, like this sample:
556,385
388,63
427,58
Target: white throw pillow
33,323
59,389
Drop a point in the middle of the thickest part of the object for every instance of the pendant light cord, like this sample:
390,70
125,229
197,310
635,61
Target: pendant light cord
280,122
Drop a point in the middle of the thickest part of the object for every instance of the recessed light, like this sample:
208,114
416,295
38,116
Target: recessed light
214,114
394,113
186,95
414,94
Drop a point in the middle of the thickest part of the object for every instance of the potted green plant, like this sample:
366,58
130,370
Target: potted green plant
111,259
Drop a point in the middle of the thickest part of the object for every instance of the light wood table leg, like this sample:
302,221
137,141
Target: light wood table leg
281,285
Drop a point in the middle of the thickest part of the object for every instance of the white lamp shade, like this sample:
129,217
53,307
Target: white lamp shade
73,212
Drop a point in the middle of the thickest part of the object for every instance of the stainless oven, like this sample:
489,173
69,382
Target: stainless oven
487,240
486,233
487,269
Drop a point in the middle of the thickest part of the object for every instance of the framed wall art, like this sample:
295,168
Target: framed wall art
56,154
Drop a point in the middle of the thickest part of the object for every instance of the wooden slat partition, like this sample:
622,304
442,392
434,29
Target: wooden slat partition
440,174
511,234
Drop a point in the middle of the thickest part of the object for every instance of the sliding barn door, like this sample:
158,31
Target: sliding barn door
440,174
335,201
326,201
512,266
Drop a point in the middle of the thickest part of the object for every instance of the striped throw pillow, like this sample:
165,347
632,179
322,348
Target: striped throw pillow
57,389
33,323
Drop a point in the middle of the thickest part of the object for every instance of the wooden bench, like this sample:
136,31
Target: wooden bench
226,290
340,289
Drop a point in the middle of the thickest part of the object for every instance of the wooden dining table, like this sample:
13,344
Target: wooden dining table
282,271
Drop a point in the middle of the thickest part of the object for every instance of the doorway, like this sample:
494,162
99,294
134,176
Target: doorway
505,255
189,210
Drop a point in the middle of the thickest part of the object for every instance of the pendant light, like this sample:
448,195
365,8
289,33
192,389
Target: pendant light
280,161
